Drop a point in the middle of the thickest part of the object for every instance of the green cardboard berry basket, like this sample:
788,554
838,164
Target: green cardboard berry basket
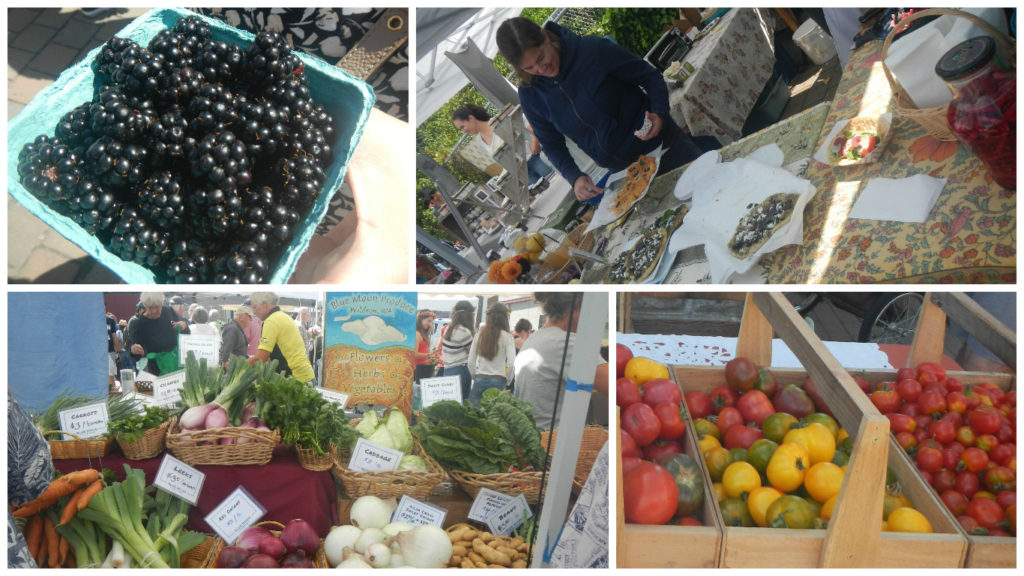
347,99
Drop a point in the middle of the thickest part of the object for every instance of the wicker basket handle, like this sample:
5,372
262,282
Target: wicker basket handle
999,37
79,438
274,523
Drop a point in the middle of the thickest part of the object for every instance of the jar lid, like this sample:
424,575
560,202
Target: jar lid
965,58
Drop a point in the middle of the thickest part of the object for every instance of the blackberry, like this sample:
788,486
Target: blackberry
262,127
219,61
269,60
135,240
160,200
147,74
171,139
95,209
193,27
188,262
214,213
51,171
178,49
245,264
122,117
221,159
75,128
117,55
302,179
181,86
116,164
213,109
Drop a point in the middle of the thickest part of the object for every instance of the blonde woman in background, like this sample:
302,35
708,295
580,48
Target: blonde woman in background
492,354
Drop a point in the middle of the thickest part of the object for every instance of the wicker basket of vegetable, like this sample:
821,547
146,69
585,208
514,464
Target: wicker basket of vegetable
48,422
142,436
228,446
309,460
594,438
79,447
496,446
248,553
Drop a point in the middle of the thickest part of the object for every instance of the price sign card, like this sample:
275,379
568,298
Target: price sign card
412,511
339,398
487,502
509,517
370,457
434,390
235,514
202,345
167,388
85,421
179,479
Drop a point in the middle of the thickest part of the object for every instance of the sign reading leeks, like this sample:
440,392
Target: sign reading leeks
368,347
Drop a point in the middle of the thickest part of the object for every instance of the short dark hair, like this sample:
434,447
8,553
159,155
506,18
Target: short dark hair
523,325
470,109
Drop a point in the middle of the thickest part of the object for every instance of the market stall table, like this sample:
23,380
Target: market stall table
283,487
732,62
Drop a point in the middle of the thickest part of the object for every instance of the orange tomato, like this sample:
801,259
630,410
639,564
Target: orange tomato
908,520
823,481
758,502
788,466
740,478
817,439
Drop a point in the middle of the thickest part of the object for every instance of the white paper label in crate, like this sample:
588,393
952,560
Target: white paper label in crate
412,511
339,398
487,502
370,457
202,345
509,517
179,479
433,390
85,421
235,514
167,388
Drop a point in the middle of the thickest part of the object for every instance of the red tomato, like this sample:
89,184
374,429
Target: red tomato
929,458
699,404
642,423
954,418
629,462
1007,433
723,396
627,445
970,525
862,382
922,435
910,409
932,402
983,420
943,431
672,423
956,402
944,479
906,374
906,440
650,494
1006,498
755,406
993,392
622,355
924,421
908,389
973,459
659,390
660,449
741,436
951,455
1000,478
965,436
954,385
1002,453
885,400
901,422
689,521
932,369
727,418
741,374
626,392
986,442
955,501
986,512
967,483
1010,398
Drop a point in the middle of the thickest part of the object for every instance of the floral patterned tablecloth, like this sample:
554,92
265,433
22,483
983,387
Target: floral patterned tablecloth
732,63
969,236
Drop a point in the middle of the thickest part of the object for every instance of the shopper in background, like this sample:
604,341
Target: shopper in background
455,343
548,354
280,339
422,355
492,354
200,323
177,304
252,332
522,331
154,334
233,341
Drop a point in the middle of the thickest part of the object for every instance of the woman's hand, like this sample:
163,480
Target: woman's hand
656,125
137,350
585,189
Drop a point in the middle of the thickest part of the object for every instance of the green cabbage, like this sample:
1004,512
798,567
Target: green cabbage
368,424
381,437
398,427
413,462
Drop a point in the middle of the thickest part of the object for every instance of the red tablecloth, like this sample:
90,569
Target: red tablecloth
283,487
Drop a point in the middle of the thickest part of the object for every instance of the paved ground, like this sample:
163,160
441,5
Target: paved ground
40,44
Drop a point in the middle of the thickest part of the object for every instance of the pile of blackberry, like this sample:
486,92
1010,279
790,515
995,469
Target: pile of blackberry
195,158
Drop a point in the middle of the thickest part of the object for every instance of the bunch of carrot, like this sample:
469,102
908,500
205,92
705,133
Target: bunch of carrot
45,544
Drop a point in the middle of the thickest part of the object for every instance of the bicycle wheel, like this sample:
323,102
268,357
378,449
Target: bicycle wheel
892,319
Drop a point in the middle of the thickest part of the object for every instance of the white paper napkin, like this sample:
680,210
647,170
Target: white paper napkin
900,200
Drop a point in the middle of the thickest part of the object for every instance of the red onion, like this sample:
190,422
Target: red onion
297,559
272,546
299,535
217,418
260,561
251,538
232,557
194,418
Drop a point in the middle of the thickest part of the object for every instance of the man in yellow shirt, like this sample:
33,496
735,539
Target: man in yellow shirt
280,339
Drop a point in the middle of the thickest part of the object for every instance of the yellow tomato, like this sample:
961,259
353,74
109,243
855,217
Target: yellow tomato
908,520
719,491
707,444
842,435
640,370
788,466
828,507
758,502
717,460
817,439
740,478
892,501
823,480
825,420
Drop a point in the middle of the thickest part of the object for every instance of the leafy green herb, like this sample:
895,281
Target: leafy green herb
118,408
304,417
134,427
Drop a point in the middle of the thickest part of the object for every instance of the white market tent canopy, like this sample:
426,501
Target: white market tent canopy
440,30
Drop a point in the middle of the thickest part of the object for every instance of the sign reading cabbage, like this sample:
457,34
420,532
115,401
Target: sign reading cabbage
368,347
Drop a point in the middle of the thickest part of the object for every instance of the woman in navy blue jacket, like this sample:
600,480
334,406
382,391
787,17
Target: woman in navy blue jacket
613,105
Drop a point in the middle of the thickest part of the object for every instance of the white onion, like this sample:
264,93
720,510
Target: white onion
369,536
339,538
355,561
378,555
397,561
372,512
425,547
395,527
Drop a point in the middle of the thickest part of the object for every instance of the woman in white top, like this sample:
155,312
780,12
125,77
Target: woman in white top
455,343
475,121
199,325
492,354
